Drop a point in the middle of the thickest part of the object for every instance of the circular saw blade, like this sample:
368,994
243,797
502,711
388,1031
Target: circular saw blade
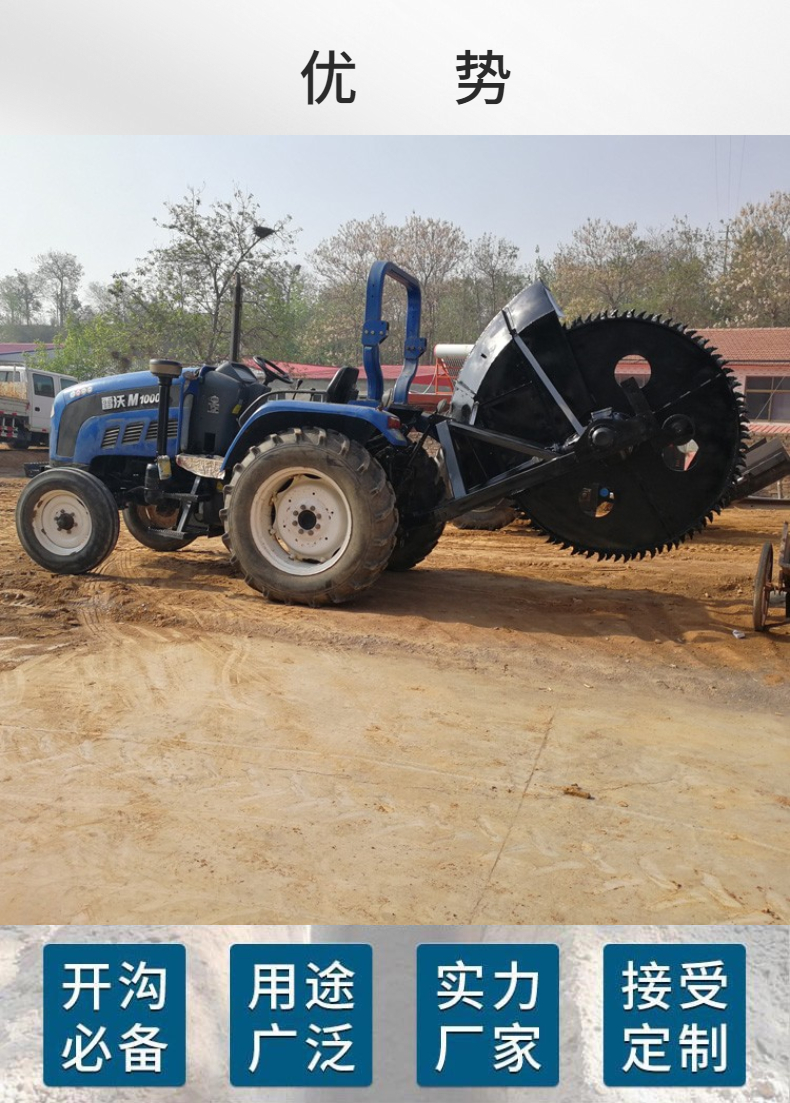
650,498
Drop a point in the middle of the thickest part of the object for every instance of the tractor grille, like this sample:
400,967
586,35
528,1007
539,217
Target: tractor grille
110,438
133,433
171,429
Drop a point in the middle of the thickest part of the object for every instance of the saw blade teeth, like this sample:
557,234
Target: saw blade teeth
733,434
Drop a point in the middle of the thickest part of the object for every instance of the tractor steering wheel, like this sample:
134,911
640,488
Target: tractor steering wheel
271,371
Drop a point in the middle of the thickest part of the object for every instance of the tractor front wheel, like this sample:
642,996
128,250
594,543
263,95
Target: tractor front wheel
67,520
310,517
488,518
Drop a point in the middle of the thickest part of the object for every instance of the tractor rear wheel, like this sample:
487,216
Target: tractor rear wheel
422,488
310,517
142,522
67,520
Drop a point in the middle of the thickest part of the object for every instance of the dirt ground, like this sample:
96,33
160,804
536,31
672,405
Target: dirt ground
177,750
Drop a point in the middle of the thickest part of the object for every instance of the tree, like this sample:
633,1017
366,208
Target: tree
604,267
58,275
187,283
341,265
460,281
754,287
682,274
278,304
19,298
90,347
435,251
493,275
177,301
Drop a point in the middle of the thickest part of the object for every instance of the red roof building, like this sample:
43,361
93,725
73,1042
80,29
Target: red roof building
15,353
760,359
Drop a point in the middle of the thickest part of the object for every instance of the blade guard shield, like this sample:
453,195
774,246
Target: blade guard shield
497,387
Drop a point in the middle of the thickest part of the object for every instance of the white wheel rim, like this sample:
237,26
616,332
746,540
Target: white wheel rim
301,521
61,522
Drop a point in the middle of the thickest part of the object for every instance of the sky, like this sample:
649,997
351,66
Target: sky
96,197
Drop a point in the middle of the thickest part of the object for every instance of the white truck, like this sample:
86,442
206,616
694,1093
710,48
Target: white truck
26,397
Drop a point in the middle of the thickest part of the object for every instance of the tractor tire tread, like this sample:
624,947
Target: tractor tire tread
414,543
344,454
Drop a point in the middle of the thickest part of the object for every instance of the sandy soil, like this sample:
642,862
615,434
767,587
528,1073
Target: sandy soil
175,749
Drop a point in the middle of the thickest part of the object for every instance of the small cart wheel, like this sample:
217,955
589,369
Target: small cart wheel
763,587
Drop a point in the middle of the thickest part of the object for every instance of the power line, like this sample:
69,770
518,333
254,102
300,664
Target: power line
740,173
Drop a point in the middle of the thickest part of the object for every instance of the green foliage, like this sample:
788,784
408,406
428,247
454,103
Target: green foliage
608,267
754,288
57,279
460,280
19,299
177,301
88,348
187,283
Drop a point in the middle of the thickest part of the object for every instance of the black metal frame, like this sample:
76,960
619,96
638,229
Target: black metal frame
604,436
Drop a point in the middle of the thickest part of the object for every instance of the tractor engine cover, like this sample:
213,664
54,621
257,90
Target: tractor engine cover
643,499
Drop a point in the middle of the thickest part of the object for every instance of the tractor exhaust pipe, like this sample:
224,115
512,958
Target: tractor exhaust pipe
157,473
235,329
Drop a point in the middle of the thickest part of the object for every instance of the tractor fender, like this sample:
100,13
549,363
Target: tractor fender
360,423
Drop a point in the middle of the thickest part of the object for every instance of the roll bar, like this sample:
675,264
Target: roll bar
375,329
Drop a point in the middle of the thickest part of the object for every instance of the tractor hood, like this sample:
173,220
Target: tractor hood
106,402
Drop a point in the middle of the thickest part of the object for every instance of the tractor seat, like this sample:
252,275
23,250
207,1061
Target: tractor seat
342,388
343,385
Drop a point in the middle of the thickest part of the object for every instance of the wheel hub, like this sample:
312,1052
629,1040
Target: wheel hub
308,520
65,521
62,522
302,521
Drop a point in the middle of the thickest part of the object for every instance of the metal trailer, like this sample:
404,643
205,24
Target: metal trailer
766,462
766,591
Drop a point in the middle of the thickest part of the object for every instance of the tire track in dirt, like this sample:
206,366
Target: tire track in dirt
244,745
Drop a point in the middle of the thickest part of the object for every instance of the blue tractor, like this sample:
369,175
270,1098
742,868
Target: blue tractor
316,493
